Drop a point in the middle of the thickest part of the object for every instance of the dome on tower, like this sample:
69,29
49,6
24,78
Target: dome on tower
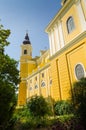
26,40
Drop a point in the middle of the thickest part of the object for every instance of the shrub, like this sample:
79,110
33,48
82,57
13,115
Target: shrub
38,106
21,114
63,107
79,98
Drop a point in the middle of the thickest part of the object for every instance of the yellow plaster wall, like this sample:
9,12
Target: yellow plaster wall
55,81
26,69
78,55
64,82
60,78
62,73
70,36
31,67
62,69
22,94
31,92
45,90
23,70
25,58
36,92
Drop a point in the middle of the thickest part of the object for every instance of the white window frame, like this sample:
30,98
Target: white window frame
70,24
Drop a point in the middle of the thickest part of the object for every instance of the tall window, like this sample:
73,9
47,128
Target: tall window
43,84
36,86
70,24
36,78
42,75
25,51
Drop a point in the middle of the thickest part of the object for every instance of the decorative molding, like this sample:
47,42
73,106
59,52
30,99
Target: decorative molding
70,44
27,61
38,71
60,14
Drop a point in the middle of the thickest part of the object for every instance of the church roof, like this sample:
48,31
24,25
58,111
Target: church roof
26,39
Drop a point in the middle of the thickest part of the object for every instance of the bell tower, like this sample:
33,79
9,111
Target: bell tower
26,48
26,67
26,56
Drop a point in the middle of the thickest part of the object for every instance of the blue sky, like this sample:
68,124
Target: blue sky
31,15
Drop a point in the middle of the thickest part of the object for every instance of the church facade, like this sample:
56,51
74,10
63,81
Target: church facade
54,71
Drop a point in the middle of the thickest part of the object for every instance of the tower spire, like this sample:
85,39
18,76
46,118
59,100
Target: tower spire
26,39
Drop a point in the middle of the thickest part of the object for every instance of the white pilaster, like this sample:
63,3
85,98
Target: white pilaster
81,15
57,38
52,41
38,83
46,71
61,34
51,53
83,5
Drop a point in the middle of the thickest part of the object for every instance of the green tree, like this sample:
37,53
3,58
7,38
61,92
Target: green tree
9,79
38,106
79,98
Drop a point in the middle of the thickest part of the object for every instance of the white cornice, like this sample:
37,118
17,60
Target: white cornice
70,44
43,56
27,61
23,79
60,14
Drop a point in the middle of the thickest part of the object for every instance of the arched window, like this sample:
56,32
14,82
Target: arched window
70,24
43,84
36,86
25,51
30,88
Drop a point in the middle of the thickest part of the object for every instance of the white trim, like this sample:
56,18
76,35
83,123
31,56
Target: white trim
57,38
39,91
55,41
23,79
83,5
52,41
61,34
81,16
27,61
46,80
50,44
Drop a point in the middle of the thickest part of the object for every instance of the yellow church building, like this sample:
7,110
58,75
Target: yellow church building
54,71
